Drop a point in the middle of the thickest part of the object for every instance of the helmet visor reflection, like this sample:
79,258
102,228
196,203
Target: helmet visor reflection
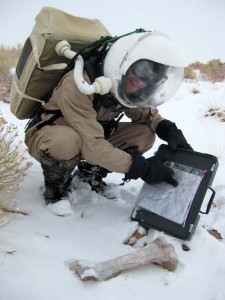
141,81
161,82
144,70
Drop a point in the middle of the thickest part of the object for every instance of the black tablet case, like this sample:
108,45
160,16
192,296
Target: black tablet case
206,162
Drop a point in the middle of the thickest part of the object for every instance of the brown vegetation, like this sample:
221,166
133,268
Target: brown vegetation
213,70
9,57
12,168
8,60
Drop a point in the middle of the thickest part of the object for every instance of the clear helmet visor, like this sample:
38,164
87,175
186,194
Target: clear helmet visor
148,83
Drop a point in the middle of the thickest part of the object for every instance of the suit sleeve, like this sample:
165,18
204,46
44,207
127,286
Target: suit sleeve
144,116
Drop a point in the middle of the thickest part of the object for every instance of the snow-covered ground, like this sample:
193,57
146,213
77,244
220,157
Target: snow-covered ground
35,248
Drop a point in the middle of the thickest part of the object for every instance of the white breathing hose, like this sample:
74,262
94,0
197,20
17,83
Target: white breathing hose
101,85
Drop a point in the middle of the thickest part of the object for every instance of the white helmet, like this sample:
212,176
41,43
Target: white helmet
154,60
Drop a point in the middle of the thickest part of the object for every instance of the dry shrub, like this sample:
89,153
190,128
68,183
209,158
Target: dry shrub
216,113
213,109
9,57
213,70
189,73
13,168
195,90
5,86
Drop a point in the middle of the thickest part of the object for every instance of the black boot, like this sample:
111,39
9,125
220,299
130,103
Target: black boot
93,175
57,175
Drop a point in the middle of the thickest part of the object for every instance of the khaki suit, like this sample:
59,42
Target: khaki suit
79,131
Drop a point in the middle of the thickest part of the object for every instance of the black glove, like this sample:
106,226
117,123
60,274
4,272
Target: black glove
151,170
168,131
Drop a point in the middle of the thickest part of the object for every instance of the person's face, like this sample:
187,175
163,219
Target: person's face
132,83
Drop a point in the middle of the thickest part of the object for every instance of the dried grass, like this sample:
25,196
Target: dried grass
13,168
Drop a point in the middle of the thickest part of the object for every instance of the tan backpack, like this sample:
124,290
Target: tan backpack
39,68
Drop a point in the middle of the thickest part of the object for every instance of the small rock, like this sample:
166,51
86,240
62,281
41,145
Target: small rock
185,247
215,233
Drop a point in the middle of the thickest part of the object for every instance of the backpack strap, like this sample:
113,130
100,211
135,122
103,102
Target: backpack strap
56,114
37,118
108,101
94,69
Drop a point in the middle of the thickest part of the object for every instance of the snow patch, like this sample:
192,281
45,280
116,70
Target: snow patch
35,247
61,208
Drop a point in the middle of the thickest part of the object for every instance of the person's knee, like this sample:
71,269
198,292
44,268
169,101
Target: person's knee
64,147
59,142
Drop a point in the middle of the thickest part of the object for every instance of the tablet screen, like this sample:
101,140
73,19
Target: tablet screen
171,202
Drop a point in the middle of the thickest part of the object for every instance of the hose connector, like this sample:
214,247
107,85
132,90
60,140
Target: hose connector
61,47
102,85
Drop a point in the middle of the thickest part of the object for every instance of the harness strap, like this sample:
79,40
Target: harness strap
57,114
23,95
108,101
